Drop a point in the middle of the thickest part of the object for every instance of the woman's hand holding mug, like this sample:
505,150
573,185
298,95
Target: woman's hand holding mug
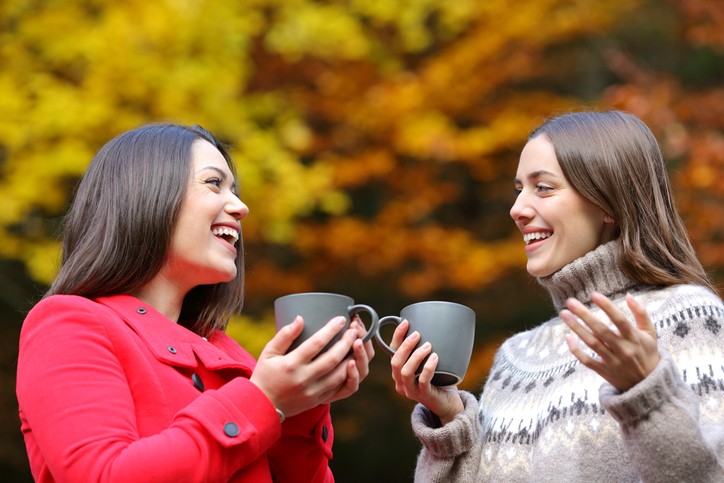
431,349
308,361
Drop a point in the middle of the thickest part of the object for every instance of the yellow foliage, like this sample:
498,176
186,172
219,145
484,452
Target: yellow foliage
42,259
252,334
310,28
374,138
318,99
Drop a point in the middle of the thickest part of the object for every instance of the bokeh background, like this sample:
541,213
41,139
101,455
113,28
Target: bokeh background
376,140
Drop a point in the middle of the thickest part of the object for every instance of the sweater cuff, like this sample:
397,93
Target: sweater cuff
637,404
453,439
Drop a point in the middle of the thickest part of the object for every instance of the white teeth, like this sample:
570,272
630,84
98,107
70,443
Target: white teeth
226,231
535,236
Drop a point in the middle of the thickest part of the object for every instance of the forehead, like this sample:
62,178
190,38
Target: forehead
204,154
538,155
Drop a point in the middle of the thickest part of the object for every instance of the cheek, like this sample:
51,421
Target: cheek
588,234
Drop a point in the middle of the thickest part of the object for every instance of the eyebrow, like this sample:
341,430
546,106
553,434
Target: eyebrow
535,175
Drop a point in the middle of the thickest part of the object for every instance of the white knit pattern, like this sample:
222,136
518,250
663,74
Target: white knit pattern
545,417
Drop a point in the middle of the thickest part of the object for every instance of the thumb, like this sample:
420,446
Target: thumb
643,321
280,343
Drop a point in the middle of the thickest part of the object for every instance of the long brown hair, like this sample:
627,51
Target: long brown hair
613,160
118,229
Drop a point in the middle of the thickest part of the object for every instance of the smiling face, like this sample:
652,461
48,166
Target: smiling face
202,250
558,224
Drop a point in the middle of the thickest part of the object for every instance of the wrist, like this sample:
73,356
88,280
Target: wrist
448,417
454,406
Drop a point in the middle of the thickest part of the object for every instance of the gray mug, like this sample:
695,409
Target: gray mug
317,308
450,329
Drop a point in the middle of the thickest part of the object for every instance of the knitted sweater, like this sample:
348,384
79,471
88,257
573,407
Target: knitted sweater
544,417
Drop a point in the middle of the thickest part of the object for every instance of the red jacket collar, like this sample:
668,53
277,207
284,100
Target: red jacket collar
174,344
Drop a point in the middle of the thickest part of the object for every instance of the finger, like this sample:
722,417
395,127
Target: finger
370,349
403,351
348,387
585,359
353,378
362,332
428,371
643,321
334,356
312,346
357,324
339,384
586,336
595,326
399,335
618,318
409,370
283,339
361,358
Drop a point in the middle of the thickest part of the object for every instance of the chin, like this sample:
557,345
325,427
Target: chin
539,272
228,277
220,276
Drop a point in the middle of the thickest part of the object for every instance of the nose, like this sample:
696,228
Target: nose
521,209
236,208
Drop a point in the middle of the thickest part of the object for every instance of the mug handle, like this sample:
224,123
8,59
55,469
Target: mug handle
390,319
355,309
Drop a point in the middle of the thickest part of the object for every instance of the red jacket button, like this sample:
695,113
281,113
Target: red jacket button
231,430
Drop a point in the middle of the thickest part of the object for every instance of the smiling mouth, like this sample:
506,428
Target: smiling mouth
529,238
230,235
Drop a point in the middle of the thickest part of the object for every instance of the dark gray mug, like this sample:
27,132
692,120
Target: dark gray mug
317,308
448,326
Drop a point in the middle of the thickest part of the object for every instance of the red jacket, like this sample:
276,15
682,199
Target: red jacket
111,390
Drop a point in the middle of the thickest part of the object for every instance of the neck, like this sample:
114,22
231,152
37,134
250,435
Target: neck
163,295
596,271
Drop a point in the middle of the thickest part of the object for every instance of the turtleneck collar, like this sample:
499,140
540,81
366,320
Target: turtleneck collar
596,271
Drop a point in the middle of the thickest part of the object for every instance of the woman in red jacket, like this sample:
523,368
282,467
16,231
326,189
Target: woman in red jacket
125,373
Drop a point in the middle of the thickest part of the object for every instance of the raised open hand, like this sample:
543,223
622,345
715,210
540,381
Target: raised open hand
626,356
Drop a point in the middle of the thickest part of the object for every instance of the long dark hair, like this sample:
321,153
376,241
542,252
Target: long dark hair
118,229
613,160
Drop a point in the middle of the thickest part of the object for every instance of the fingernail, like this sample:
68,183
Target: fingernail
341,321
414,335
352,334
426,346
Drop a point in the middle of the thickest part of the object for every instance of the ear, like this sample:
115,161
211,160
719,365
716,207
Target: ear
608,219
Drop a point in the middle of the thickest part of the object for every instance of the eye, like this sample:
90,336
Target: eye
542,188
517,191
214,181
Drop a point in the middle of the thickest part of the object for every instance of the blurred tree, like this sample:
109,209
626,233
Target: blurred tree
376,139
681,98
363,119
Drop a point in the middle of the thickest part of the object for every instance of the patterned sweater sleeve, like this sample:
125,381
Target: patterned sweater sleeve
672,422
450,453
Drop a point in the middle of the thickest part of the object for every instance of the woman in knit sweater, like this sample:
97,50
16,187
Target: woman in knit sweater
627,384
